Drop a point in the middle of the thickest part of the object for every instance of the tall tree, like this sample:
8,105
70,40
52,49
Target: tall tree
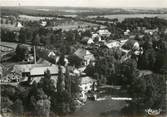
35,42
22,35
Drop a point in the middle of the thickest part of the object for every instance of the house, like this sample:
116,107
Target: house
51,54
122,41
85,55
43,23
104,33
126,33
150,31
19,25
79,71
96,36
87,40
112,44
87,84
90,41
131,44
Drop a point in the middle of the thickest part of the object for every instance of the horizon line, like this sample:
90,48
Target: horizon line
103,7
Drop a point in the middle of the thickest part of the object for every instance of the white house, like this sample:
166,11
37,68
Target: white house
51,54
104,33
127,32
112,44
151,31
96,36
87,84
43,23
19,25
90,41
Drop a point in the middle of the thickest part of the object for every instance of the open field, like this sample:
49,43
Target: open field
74,25
121,17
32,18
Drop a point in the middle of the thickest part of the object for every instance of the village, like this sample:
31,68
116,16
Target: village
91,62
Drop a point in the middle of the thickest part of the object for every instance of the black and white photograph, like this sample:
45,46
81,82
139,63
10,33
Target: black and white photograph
83,58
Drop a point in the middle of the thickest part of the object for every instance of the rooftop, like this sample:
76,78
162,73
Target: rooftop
86,80
84,54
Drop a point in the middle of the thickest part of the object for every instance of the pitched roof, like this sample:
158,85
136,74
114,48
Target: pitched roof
25,67
113,43
41,70
129,44
84,54
86,80
36,69
43,61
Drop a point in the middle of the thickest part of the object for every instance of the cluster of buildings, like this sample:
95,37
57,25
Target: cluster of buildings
31,73
34,72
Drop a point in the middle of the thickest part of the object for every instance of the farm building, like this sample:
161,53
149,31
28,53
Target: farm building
32,71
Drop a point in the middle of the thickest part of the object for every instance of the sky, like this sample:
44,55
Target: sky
88,3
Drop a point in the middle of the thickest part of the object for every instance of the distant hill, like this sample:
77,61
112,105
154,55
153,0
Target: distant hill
81,11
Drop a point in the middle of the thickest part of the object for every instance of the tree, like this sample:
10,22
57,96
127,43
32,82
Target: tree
22,35
61,60
161,58
47,84
2,21
74,61
43,106
21,52
35,42
105,67
18,107
6,21
67,91
90,70
60,81
6,102
146,91
128,73
36,39
68,81
39,102
148,59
